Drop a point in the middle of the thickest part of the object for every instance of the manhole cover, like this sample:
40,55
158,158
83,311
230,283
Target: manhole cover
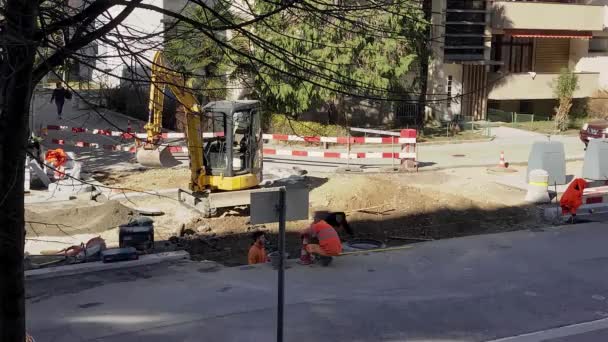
365,244
458,155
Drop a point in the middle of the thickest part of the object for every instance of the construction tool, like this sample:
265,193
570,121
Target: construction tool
226,164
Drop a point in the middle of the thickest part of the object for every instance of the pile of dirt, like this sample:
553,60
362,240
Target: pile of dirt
152,179
81,220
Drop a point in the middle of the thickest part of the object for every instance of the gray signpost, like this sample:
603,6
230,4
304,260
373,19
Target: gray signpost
279,205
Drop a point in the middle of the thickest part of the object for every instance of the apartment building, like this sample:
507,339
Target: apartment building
506,55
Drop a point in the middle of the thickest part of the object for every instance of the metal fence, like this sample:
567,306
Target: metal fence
496,115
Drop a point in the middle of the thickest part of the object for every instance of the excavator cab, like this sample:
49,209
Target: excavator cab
232,157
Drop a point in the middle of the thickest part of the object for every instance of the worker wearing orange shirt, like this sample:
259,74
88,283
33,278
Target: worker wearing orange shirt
329,242
257,252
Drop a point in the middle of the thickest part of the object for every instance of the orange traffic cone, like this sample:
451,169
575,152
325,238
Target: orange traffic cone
502,164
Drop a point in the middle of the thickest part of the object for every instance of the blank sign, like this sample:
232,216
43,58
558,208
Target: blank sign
265,204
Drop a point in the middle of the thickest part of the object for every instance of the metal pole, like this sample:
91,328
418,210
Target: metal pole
348,152
393,152
281,284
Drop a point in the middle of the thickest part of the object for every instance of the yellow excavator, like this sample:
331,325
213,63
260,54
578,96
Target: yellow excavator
225,167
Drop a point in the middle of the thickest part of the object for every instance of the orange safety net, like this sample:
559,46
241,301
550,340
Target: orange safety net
572,199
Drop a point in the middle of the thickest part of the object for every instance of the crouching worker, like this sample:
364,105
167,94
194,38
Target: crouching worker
328,242
257,252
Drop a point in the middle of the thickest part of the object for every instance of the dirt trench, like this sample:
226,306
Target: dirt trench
379,207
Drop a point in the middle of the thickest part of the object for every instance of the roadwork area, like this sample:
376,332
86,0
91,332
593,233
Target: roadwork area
395,208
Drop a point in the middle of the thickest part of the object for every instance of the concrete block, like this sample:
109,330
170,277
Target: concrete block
595,166
78,269
551,157
39,172
69,186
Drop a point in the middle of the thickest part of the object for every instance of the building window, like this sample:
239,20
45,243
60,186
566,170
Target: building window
598,44
516,54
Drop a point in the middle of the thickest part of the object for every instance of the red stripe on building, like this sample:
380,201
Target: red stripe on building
556,34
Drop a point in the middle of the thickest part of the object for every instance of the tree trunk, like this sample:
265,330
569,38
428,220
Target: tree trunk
562,120
15,91
424,56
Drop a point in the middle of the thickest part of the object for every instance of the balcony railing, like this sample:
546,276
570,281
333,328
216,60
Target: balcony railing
547,15
534,86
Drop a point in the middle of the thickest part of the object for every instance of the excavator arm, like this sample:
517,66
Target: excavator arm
152,153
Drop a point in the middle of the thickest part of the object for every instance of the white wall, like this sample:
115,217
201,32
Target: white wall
581,60
140,23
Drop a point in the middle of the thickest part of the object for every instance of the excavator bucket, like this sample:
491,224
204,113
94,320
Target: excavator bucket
158,157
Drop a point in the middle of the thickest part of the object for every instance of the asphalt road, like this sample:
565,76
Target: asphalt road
548,285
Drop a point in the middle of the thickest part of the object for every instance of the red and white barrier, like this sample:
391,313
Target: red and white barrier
406,140
338,155
104,132
84,144
271,137
340,140
128,134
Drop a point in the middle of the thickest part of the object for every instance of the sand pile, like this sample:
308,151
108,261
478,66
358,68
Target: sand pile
83,220
354,192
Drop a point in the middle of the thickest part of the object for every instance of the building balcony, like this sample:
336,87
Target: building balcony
562,15
536,86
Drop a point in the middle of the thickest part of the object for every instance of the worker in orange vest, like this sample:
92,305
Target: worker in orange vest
572,198
257,252
329,243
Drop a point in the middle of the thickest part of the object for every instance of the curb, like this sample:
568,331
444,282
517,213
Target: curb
448,142
68,270
135,194
554,213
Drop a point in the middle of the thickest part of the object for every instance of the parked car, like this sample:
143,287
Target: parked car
596,129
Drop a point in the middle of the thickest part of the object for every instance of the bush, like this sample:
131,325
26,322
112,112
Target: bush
281,124
567,83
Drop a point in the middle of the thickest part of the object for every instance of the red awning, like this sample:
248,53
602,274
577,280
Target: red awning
562,34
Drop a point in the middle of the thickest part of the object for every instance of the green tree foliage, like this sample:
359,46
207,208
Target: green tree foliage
364,52
310,54
206,65
564,88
